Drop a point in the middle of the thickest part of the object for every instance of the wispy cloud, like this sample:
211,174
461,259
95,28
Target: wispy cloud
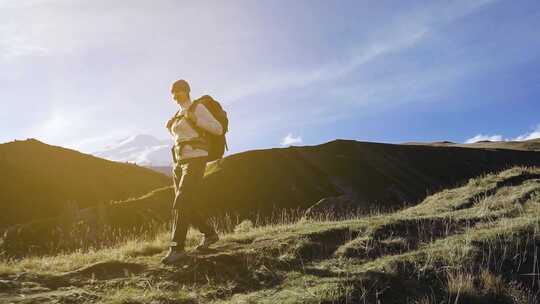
405,32
121,58
17,47
291,140
92,144
407,82
531,135
481,137
534,134
289,78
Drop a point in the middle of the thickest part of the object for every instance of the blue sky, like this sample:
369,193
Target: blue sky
84,74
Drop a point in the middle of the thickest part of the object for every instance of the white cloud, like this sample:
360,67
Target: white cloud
394,40
527,136
91,144
291,140
532,135
481,137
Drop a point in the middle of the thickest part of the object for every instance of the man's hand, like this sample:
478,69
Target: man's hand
170,123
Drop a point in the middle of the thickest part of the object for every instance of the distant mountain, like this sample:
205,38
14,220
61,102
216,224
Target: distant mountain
144,150
37,180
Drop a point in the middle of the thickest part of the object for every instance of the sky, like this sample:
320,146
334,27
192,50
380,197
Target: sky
84,74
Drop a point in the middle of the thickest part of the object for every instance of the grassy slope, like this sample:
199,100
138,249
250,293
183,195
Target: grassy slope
36,180
250,184
382,175
473,244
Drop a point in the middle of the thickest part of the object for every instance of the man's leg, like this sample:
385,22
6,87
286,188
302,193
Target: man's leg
199,222
179,230
209,234
179,227
190,178
179,221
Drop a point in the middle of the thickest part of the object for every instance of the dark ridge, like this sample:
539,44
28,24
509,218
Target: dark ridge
383,175
38,180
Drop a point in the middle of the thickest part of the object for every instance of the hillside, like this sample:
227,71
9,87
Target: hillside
472,244
259,184
167,170
37,180
382,176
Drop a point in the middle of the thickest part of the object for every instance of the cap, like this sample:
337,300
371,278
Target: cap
180,85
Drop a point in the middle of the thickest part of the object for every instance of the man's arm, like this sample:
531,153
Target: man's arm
206,121
171,122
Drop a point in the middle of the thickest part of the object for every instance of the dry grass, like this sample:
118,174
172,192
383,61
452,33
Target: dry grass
474,244
459,285
148,294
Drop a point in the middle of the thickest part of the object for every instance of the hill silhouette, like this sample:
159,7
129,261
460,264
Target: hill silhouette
383,176
258,184
37,180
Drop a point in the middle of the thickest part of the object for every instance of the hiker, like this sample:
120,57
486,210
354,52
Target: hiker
198,130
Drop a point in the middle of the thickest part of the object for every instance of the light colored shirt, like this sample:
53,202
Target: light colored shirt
182,130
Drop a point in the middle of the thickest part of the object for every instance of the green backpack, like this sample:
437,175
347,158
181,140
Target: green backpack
217,144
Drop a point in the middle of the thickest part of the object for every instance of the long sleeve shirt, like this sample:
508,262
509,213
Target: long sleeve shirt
182,131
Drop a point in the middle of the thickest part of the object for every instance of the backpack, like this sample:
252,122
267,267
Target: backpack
216,143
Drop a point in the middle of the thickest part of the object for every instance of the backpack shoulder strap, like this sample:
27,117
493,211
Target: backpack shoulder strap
173,119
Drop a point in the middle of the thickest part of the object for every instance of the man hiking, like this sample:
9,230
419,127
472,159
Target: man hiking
198,130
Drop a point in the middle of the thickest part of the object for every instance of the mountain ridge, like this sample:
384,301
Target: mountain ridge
149,151
380,175
525,145
38,179
260,184
377,174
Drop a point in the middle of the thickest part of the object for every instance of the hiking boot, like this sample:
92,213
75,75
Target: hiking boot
173,256
207,241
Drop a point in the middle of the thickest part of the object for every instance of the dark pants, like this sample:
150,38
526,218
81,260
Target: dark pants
187,180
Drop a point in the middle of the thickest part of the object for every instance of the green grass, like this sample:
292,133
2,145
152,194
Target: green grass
150,294
477,243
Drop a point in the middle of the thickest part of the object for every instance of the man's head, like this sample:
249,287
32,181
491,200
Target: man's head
180,91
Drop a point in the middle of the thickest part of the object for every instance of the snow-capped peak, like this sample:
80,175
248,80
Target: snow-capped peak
142,149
